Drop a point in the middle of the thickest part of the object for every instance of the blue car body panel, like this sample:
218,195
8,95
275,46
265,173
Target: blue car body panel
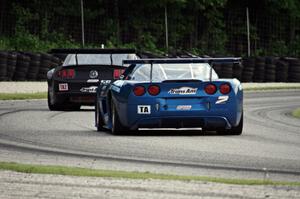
171,109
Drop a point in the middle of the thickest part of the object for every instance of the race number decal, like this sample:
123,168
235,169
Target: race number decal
222,99
63,87
144,109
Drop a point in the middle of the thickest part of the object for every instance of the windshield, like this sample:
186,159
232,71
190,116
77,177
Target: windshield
92,59
182,71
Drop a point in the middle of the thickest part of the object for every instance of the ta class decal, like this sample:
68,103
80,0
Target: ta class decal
222,99
63,87
183,91
91,89
144,109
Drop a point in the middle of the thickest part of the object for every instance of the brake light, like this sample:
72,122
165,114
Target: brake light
118,73
153,90
225,88
210,89
139,90
66,73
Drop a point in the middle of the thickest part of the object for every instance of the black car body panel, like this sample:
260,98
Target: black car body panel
73,85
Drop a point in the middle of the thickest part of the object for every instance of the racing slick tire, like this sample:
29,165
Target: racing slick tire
53,106
117,127
237,130
98,118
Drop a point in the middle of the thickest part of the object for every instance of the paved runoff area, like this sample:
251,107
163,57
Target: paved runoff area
24,185
34,87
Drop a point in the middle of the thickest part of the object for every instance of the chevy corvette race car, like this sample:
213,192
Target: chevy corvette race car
171,93
74,83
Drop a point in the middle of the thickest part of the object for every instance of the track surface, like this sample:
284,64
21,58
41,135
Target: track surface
29,132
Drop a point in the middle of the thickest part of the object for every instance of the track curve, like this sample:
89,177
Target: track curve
271,137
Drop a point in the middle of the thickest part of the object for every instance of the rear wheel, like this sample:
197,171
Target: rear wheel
98,118
60,107
234,130
117,127
51,105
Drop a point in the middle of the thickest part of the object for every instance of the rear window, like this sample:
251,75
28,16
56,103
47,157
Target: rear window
94,59
161,72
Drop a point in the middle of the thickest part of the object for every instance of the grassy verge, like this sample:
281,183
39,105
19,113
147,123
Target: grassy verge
76,171
270,88
296,113
22,96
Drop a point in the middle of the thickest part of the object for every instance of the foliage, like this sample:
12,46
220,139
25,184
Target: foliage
198,26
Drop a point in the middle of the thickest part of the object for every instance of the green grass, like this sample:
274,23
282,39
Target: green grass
271,88
76,171
296,113
22,96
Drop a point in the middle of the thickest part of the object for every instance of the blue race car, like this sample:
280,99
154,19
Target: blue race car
171,93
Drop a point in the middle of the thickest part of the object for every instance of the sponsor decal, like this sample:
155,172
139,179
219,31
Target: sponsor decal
105,82
63,87
184,107
93,74
144,109
222,99
183,91
91,89
92,80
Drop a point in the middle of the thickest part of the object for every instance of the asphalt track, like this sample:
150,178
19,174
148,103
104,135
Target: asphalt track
268,148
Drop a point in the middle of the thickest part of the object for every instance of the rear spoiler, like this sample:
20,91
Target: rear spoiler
77,51
234,60
93,51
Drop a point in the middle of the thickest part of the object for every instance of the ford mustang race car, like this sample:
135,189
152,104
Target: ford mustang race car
74,83
171,93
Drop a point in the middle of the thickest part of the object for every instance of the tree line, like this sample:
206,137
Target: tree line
213,27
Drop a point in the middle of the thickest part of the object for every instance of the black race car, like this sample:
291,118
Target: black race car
74,83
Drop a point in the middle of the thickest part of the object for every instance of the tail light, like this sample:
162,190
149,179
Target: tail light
139,90
210,89
118,73
66,73
153,90
225,88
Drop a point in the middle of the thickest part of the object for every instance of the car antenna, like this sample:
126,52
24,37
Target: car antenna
210,72
76,59
151,71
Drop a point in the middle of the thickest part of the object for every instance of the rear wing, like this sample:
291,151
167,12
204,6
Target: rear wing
77,51
210,61
92,51
234,60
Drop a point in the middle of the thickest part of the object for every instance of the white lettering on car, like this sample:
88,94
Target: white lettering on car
92,80
184,107
91,89
183,91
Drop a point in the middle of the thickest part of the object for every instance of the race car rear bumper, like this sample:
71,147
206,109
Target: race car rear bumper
77,98
183,122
